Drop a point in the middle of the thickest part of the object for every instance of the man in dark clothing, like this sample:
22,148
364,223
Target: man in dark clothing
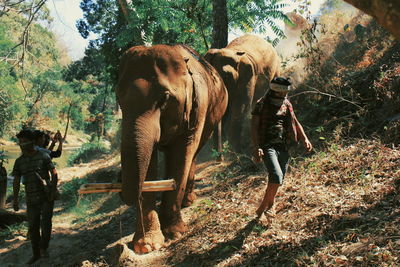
35,166
42,140
273,125
3,184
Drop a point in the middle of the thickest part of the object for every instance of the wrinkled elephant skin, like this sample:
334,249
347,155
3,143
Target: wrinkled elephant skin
171,100
246,65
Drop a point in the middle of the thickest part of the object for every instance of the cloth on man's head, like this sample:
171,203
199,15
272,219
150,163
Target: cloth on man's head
280,84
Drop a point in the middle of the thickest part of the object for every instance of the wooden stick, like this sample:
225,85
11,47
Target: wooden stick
148,186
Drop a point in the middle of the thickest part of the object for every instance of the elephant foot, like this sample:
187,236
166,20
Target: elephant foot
150,242
175,231
189,199
152,239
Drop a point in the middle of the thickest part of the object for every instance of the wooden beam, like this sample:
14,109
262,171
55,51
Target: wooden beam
148,186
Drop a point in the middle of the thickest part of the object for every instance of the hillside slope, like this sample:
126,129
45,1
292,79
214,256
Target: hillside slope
337,207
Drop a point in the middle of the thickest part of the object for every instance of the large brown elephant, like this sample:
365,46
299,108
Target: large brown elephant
246,65
171,100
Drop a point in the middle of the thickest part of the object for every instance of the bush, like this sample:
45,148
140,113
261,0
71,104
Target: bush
69,191
87,152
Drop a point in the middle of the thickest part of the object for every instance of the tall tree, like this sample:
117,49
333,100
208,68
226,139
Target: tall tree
122,24
220,24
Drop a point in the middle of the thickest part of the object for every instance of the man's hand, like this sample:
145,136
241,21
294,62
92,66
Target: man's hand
16,205
307,145
258,154
58,136
54,195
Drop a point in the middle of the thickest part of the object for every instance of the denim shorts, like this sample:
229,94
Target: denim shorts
276,159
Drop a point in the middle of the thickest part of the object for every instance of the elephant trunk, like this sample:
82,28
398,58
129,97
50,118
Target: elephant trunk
139,137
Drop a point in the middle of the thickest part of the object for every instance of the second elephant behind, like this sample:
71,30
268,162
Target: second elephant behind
246,65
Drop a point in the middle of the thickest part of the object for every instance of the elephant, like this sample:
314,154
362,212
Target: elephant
171,100
246,65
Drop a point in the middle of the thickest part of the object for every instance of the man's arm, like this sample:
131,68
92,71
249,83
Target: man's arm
16,187
302,135
257,151
56,137
255,122
53,143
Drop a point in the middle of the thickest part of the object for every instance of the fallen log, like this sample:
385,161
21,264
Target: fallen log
148,186
8,218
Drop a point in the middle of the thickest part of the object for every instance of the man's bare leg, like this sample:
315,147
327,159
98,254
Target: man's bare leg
268,200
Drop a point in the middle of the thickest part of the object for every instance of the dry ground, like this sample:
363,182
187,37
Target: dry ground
339,207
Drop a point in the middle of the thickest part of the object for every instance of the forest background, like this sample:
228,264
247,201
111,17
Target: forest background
42,88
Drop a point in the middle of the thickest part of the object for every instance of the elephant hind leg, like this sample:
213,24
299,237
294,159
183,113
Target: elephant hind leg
190,195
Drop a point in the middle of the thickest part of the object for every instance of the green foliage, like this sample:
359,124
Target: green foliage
69,191
226,150
87,152
168,22
14,229
7,83
3,157
259,229
29,68
254,16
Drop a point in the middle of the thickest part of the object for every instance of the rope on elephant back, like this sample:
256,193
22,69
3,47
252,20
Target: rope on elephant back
196,56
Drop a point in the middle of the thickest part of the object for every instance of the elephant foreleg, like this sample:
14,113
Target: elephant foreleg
148,235
178,163
235,132
190,195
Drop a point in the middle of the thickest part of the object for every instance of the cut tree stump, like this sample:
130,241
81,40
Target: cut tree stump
148,186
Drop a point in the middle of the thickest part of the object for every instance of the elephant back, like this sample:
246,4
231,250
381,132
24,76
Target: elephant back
260,52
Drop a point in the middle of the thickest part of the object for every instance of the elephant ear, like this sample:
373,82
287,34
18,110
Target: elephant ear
211,53
191,97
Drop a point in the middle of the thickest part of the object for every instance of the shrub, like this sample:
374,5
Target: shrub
87,152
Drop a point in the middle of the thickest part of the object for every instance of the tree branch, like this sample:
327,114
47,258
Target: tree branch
316,91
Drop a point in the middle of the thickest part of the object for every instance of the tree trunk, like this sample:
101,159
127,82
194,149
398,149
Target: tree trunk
123,4
220,24
386,13
220,40
68,119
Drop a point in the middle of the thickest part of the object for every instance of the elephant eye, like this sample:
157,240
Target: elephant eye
163,101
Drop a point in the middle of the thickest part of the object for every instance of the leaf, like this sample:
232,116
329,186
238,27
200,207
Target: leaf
341,259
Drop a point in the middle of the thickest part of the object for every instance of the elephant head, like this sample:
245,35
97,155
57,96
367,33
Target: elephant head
152,92
246,65
229,64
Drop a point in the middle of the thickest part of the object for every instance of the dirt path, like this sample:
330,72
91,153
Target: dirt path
69,236
100,240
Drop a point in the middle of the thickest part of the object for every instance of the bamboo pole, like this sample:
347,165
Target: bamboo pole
148,186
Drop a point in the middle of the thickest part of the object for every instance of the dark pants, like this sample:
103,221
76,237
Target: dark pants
39,223
276,159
